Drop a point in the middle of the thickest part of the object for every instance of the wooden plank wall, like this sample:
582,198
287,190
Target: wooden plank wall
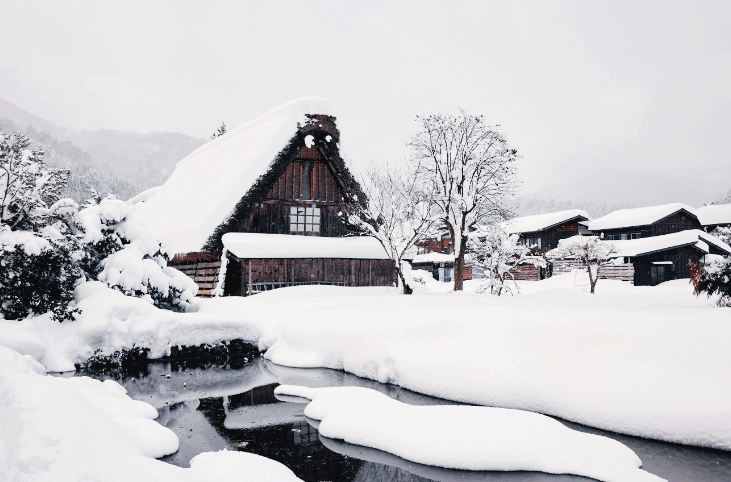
526,272
622,272
288,272
204,272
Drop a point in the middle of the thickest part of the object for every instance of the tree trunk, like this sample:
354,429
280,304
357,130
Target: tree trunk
593,278
459,265
407,288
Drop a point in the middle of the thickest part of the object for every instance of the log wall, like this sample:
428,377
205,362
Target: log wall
268,274
201,268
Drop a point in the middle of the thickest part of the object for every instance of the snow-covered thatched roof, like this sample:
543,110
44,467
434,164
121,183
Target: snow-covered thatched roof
627,218
715,214
263,246
206,185
539,222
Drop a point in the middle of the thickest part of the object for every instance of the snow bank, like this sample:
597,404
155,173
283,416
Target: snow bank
539,222
468,438
259,246
646,361
70,429
111,321
626,218
209,182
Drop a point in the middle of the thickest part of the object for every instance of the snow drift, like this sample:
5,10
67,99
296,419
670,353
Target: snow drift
464,437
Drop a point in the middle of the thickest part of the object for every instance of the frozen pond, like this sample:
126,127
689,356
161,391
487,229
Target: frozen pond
233,406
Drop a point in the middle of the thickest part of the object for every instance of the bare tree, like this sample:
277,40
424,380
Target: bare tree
591,251
498,252
397,212
469,169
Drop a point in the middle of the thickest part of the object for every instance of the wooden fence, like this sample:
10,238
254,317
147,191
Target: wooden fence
622,272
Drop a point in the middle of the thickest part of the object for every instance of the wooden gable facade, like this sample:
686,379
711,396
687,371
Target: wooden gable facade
305,192
681,220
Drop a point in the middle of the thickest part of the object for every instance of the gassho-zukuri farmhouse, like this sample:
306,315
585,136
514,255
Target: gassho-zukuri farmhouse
267,199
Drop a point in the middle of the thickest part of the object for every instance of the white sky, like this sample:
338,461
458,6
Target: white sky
577,86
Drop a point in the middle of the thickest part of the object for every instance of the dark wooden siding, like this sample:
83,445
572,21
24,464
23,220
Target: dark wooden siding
201,268
680,221
551,236
275,273
679,256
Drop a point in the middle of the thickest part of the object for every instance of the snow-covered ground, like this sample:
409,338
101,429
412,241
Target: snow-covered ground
646,361
466,437
110,321
71,429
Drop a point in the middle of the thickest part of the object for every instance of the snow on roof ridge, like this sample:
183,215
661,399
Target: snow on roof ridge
714,214
539,222
207,184
311,105
626,218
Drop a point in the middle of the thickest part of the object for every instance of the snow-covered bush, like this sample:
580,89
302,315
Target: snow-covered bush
723,233
713,277
128,257
27,187
493,249
38,272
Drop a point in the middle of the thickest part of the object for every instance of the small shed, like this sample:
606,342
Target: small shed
262,262
440,265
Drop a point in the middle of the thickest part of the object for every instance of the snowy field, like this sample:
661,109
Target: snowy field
645,361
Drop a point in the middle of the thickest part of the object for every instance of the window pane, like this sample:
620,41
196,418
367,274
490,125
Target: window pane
300,210
309,211
317,211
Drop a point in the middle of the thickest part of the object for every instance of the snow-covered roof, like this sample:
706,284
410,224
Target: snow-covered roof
207,184
626,218
261,246
434,257
715,214
643,246
539,222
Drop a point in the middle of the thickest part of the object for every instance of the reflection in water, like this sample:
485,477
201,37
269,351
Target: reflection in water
211,407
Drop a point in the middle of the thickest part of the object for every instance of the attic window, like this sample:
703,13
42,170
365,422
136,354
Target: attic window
307,180
304,219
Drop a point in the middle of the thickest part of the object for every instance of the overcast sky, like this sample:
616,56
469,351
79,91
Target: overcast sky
577,86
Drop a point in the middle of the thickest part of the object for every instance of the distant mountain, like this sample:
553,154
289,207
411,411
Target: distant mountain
122,163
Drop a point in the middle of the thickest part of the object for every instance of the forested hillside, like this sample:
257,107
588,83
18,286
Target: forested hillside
121,163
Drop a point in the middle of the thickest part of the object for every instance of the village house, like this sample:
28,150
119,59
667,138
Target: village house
651,244
261,207
437,257
541,233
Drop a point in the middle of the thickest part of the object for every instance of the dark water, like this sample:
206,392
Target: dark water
232,406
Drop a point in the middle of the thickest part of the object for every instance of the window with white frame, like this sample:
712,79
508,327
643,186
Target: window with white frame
530,242
304,219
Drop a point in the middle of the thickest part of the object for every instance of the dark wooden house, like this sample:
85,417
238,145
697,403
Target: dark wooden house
645,222
283,174
657,259
541,233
